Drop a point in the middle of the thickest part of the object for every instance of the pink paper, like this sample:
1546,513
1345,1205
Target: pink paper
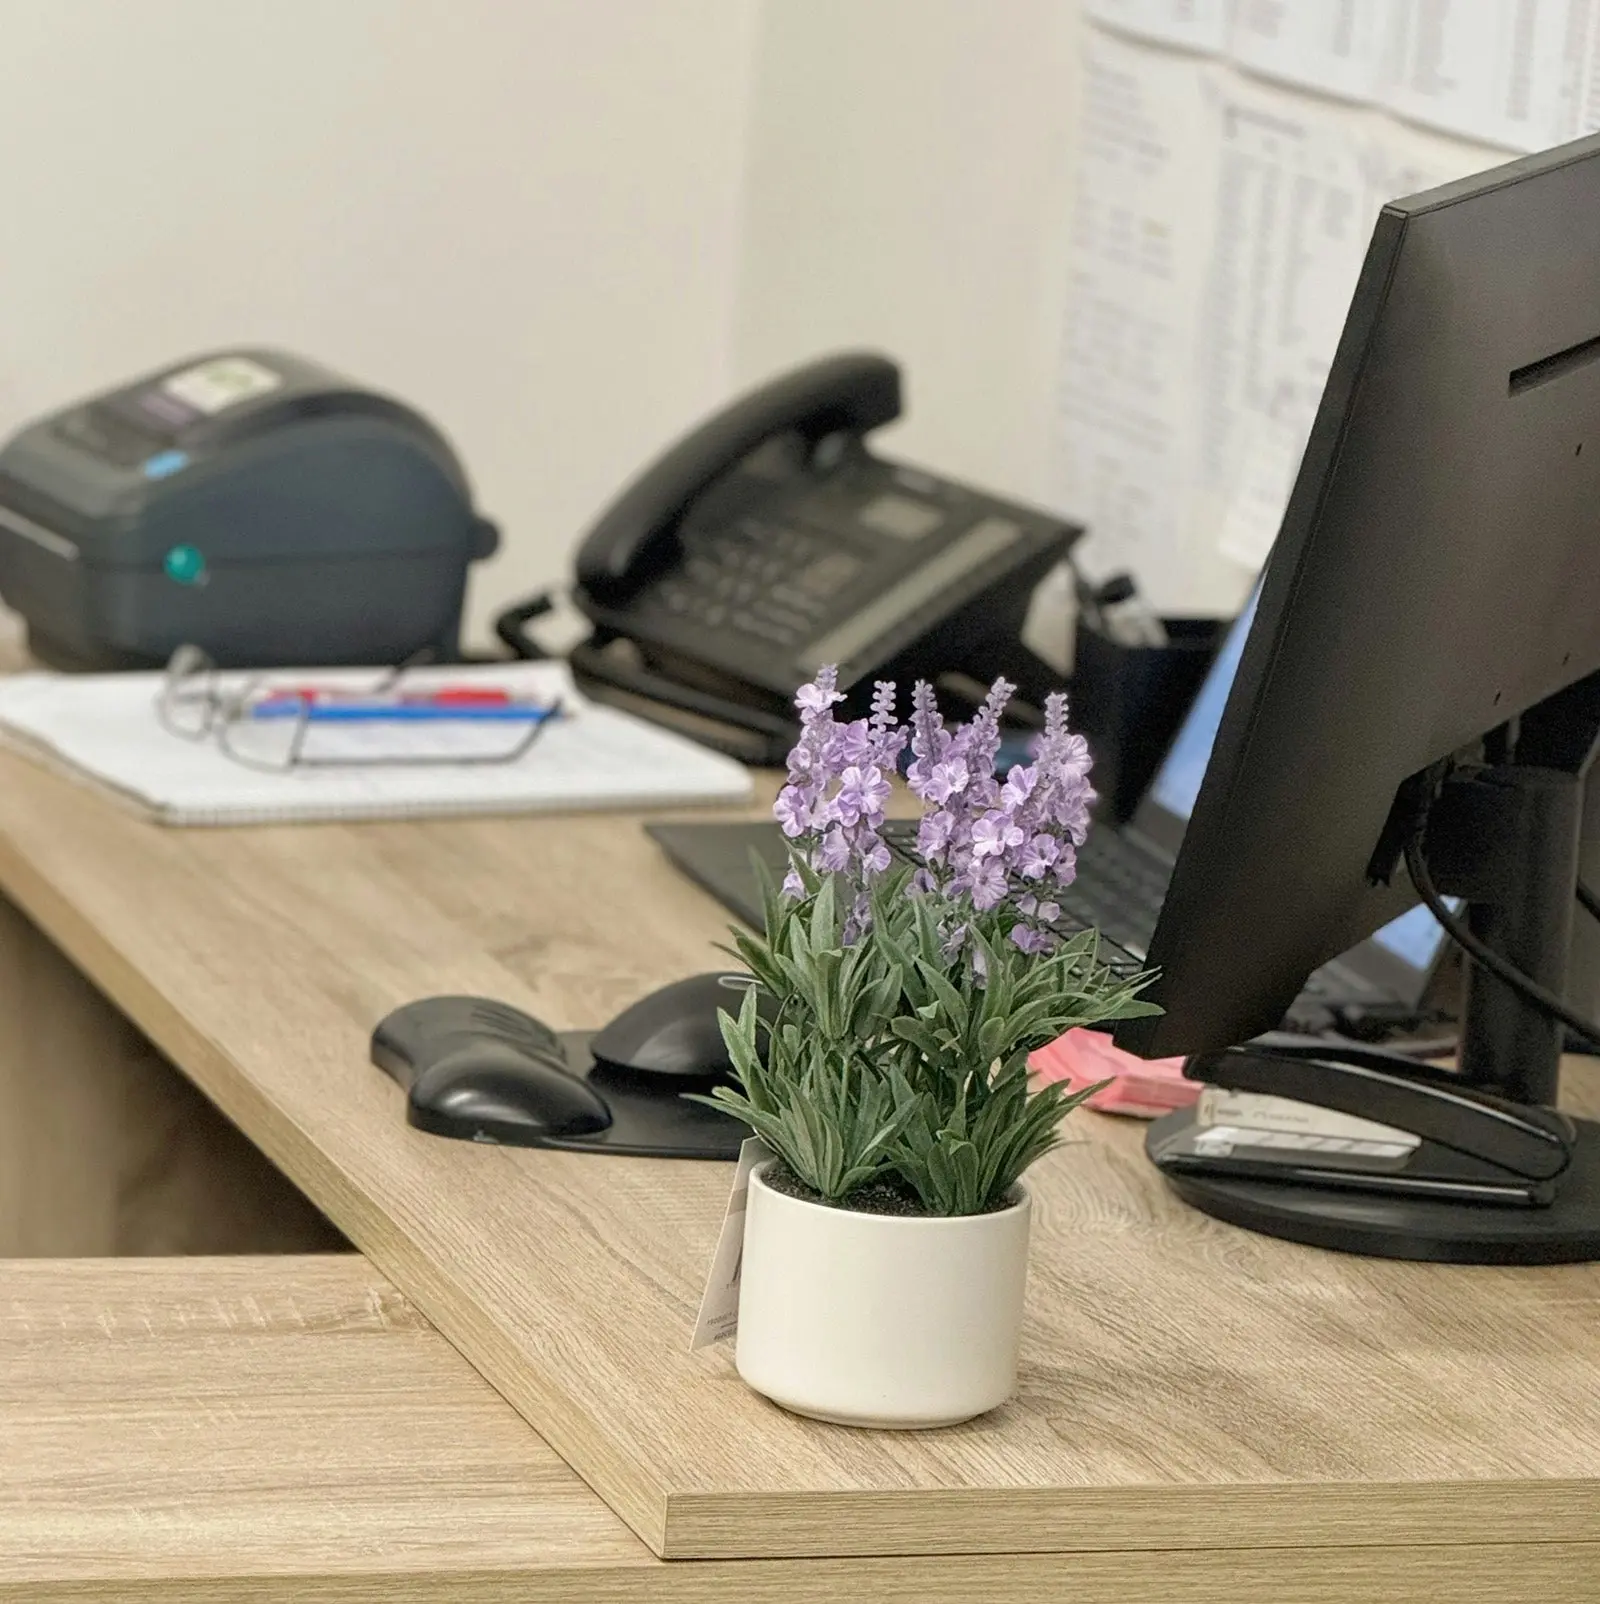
1143,1087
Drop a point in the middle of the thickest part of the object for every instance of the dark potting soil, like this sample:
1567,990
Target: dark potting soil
891,1196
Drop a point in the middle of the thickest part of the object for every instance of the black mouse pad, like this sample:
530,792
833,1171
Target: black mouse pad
646,1122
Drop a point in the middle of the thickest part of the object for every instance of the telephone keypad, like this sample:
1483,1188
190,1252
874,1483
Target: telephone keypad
771,581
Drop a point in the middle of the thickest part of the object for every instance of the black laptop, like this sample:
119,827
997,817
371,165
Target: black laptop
1122,879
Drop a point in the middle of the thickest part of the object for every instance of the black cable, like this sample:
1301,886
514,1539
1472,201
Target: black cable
1589,900
1456,928
512,627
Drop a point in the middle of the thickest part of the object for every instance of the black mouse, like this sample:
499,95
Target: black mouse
674,1031
482,1071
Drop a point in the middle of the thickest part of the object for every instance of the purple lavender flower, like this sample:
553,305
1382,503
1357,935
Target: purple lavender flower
930,740
1040,853
833,852
934,834
863,794
889,737
815,699
850,745
987,881
983,843
874,854
792,810
1066,866
1019,786
996,836
944,781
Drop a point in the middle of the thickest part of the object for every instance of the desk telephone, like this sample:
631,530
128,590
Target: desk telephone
769,541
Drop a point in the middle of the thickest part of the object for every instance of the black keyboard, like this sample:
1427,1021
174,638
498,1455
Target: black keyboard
1120,887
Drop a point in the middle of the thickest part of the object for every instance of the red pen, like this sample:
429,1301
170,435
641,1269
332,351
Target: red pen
462,696
444,696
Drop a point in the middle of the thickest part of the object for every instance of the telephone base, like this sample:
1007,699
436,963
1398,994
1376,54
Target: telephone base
1566,1231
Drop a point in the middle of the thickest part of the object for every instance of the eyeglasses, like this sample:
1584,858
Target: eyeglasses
277,728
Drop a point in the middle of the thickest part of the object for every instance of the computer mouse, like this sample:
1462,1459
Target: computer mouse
484,1071
674,1031
490,1091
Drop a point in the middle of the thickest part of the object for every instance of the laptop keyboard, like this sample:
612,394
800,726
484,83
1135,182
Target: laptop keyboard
1119,889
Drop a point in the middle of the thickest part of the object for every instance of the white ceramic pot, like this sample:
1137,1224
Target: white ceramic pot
880,1320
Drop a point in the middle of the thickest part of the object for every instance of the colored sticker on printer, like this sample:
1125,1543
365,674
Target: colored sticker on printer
165,463
185,566
223,382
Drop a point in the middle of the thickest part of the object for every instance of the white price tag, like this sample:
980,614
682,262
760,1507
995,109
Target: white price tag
719,1306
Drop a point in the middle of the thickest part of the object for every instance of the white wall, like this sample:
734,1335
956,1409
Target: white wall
520,215
910,188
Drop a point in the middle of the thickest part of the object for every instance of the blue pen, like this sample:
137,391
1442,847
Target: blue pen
402,712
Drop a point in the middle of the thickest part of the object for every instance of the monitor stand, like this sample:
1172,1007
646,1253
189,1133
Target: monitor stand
1567,1231
1505,838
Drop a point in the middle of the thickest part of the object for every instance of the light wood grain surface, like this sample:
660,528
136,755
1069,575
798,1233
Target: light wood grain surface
1185,1386
292,1430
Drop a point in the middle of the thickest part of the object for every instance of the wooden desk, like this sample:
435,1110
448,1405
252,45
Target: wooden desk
1196,1402
293,1431
283,1429
105,1149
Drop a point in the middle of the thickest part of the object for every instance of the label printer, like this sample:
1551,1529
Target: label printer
251,503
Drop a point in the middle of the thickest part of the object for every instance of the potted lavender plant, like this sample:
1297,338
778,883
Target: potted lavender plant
885,1248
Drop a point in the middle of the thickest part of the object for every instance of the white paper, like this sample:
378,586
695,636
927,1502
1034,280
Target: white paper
1404,160
106,726
1338,47
1292,220
1220,223
1578,110
1496,71
1264,478
1123,451
719,1303
1189,24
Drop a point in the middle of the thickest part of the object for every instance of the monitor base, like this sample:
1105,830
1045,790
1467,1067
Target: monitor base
1567,1232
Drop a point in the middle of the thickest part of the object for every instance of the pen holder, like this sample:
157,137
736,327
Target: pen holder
1128,702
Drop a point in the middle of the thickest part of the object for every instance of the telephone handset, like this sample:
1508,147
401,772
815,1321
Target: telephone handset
769,541
636,539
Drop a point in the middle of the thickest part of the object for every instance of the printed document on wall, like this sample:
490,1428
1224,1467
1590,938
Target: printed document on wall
1579,111
1338,47
1124,457
1490,70
1291,228
1221,220
1189,24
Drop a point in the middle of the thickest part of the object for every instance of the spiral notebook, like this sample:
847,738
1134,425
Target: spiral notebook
104,728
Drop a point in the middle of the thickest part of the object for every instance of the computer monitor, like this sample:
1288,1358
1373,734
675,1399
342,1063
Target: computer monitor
1433,596
1400,954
